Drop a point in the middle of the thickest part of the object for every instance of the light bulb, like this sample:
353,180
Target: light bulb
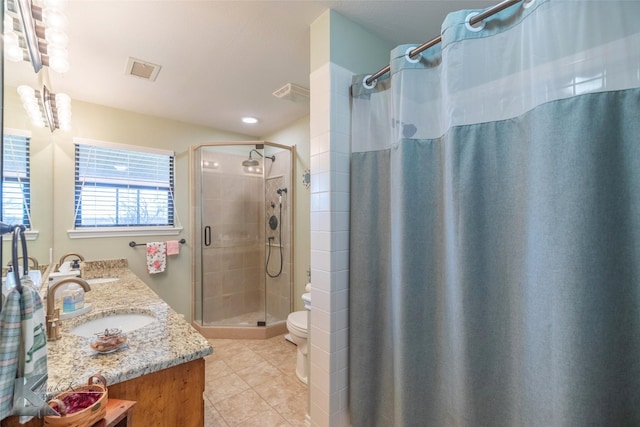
12,48
63,99
55,4
56,51
14,53
26,91
58,64
32,109
8,24
57,37
54,18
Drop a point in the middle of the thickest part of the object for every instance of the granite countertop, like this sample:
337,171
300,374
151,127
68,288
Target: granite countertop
168,341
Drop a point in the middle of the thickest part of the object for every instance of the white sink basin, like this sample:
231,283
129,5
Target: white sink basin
126,322
100,280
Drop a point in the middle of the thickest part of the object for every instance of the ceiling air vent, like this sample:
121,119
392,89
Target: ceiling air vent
292,92
143,69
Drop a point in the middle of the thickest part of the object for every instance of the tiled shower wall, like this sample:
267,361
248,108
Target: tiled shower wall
278,289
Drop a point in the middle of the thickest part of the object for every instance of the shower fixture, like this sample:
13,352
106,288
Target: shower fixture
253,162
273,224
280,191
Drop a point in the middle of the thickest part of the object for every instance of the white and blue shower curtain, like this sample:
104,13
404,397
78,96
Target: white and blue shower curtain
495,240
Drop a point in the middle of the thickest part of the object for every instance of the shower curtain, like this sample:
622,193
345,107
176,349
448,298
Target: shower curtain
495,233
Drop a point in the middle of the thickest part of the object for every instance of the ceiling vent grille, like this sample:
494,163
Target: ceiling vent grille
292,92
143,69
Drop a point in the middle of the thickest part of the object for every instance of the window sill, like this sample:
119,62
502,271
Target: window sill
90,233
29,234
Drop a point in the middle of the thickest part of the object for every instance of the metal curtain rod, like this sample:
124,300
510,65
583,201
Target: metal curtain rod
434,41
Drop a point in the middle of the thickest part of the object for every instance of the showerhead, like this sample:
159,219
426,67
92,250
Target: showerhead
253,162
250,162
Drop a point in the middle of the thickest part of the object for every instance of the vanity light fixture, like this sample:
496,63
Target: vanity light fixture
41,30
46,108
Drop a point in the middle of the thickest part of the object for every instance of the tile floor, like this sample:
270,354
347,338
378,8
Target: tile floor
253,383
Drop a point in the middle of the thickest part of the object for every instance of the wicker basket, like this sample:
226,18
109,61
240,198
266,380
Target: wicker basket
86,417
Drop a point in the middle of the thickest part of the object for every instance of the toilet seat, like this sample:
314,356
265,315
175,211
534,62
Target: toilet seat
297,323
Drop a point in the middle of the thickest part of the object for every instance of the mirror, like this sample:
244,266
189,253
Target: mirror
41,168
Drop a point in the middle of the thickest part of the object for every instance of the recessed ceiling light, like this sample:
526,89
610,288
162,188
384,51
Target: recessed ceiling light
249,120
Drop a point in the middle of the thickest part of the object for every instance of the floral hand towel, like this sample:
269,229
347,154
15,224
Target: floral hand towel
156,257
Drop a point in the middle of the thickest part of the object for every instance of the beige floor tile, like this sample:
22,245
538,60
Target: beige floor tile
214,369
260,373
268,344
267,419
253,383
223,348
283,360
241,407
280,390
243,359
289,372
224,387
293,409
277,352
212,417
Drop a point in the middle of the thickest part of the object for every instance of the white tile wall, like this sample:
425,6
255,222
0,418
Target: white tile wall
330,153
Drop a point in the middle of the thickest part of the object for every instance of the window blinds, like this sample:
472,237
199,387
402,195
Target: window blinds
117,187
16,183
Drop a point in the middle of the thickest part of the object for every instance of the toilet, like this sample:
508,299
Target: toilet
297,327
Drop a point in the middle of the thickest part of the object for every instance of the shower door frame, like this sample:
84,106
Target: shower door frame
197,314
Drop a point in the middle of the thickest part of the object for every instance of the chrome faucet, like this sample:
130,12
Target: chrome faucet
53,313
65,256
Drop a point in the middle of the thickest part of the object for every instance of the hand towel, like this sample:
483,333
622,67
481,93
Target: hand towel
10,336
33,350
156,257
173,247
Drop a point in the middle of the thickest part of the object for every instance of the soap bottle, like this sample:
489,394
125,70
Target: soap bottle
72,298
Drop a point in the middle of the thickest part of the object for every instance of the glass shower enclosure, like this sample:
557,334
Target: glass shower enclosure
243,229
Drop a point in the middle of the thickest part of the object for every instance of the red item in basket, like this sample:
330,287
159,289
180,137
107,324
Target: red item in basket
76,402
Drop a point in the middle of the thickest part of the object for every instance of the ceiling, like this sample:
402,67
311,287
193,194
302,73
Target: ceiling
221,60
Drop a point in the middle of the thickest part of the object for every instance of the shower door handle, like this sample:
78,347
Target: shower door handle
207,235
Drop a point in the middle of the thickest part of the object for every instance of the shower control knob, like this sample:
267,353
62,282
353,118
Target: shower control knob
273,222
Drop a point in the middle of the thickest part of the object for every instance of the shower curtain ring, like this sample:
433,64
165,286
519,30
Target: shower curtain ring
415,59
478,26
369,85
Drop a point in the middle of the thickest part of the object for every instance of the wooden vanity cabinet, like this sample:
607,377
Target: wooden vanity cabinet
167,398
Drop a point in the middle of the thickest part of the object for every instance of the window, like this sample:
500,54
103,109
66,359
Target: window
16,185
123,186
